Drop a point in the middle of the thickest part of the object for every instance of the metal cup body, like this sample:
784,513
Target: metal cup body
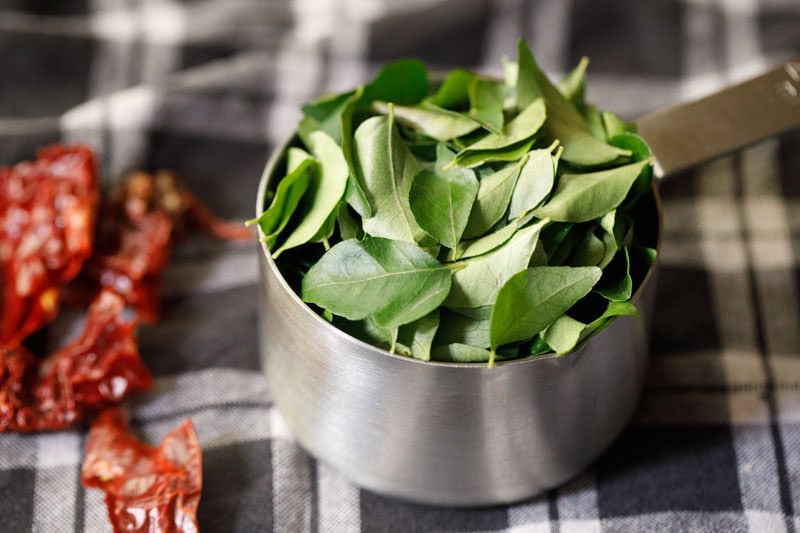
446,433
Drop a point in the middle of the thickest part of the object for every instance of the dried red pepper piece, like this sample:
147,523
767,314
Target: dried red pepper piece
147,489
47,215
99,368
140,221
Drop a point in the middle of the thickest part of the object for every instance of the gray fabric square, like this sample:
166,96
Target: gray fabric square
657,469
641,38
237,488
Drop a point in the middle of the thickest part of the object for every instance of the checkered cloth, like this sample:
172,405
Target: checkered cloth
208,88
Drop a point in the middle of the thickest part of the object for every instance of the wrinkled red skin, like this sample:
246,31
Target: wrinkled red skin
47,216
99,368
147,489
138,225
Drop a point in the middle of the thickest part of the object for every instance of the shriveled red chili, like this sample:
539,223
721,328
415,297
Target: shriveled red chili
139,222
99,368
147,489
47,215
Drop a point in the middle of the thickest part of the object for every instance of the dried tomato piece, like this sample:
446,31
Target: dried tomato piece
47,214
99,368
143,217
147,489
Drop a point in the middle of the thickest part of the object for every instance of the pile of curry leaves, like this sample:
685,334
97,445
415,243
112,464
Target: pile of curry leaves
468,220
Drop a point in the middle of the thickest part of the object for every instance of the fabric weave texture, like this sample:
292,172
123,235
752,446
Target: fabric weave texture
209,87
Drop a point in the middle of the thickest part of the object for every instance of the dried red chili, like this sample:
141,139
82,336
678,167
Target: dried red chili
147,489
47,214
99,368
143,216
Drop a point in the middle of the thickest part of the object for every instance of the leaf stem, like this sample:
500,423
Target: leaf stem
455,265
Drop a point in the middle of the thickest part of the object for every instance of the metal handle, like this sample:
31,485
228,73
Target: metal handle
690,133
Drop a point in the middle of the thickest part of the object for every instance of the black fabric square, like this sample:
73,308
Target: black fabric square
679,185
193,55
222,173
188,335
49,78
684,316
380,514
16,499
790,164
18,148
623,37
46,7
657,469
237,488
440,34
779,30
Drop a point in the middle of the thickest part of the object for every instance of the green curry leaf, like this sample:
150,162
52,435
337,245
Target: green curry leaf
532,299
392,281
325,191
584,197
441,200
479,280
287,197
533,184
519,130
388,168
565,122
494,195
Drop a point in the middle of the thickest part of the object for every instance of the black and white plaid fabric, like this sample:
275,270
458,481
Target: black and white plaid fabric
209,87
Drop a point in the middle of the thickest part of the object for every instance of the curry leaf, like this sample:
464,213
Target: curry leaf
403,82
494,195
566,333
532,299
641,152
589,251
325,191
288,194
477,283
418,335
486,103
614,125
482,157
485,244
617,284
563,334
441,200
534,182
584,197
520,129
349,227
392,281
596,125
454,90
388,168
326,230
355,187
325,114
460,353
573,86
462,329
435,122
565,122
